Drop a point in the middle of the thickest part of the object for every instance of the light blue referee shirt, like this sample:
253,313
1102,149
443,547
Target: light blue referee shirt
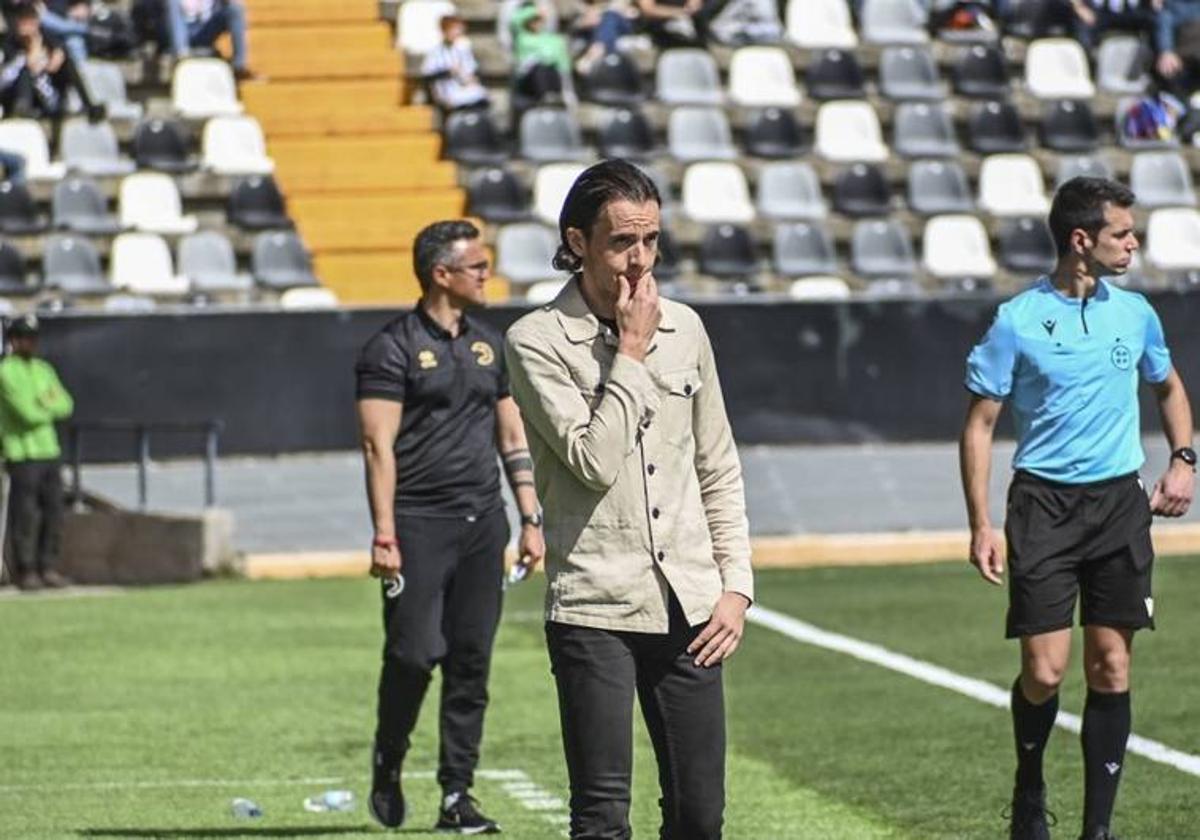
1069,368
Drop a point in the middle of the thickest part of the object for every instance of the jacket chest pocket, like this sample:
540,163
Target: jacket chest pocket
675,413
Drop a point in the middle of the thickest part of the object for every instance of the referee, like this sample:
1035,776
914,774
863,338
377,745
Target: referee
434,407
1067,354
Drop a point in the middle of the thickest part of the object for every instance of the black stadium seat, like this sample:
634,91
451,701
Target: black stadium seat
995,127
862,190
1027,246
728,251
255,203
163,145
774,133
835,74
981,72
13,282
496,195
614,80
472,138
18,213
667,267
626,134
1068,125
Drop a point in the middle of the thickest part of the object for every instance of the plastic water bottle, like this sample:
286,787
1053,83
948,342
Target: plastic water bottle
245,809
330,800
518,573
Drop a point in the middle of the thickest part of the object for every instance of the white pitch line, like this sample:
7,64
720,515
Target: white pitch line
926,672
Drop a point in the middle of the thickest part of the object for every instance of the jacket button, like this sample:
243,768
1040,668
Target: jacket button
650,469
662,555
687,389
600,388
654,513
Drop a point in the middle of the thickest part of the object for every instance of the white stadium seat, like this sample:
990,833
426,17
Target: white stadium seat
956,246
1162,179
763,76
848,131
1012,185
819,288
418,24
716,192
203,88
27,139
1057,68
236,146
524,252
821,24
150,201
308,297
550,187
1173,239
141,263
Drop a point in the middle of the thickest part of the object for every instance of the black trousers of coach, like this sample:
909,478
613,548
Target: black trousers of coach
446,616
35,515
598,673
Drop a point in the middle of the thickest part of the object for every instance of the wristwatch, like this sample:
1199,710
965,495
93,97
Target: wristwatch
1187,455
534,519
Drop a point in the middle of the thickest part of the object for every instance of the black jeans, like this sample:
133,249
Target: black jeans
447,615
598,672
35,515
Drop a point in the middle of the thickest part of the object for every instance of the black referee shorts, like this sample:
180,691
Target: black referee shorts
1067,540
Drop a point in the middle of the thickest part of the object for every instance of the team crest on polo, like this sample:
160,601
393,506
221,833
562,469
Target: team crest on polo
1121,357
426,359
484,354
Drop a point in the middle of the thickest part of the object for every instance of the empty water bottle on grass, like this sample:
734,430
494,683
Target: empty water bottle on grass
330,800
245,809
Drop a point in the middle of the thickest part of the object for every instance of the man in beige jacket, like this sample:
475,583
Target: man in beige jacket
648,553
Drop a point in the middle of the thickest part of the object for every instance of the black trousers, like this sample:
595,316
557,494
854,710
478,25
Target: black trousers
446,616
598,672
35,514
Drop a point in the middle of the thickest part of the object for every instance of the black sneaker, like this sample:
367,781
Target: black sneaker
1029,819
459,815
1100,832
386,802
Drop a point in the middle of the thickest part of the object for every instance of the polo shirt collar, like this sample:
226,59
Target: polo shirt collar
437,330
1100,293
579,323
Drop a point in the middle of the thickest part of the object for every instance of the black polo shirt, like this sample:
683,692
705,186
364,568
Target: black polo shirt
449,385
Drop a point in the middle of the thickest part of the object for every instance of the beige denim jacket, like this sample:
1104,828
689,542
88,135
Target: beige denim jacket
635,466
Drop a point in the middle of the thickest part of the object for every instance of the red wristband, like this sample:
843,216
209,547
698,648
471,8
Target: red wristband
384,542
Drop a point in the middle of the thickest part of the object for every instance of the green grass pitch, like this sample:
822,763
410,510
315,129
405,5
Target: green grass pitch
143,713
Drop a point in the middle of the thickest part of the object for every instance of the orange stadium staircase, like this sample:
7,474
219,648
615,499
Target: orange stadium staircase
360,169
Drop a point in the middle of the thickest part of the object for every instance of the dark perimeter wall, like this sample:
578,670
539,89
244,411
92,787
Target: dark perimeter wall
792,372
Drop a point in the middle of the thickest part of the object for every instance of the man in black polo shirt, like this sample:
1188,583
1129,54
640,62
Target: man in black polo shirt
434,407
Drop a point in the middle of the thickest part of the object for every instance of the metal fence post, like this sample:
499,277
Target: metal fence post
210,464
143,456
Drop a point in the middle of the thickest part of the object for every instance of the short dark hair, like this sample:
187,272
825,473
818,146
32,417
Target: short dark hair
596,186
434,246
25,11
1079,204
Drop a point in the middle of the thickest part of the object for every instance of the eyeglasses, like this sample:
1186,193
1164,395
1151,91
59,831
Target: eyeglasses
473,268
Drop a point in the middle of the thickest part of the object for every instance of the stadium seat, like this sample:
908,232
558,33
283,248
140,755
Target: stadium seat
1070,166
141,264
544,291
626,133
28,139
79,206
14,282
936,187
1012,185
716,192
150,202
163,145
688,76
525,253
1026,246
803,248
820,24
882,248
235,146
1162,179
1068,125
550,187
980,71
862,190
727,251
207,260
1121,65
126,304
472,138
835,74
1173,239
106,86
496,195
550,134
909,73
614,80
1057,68
995,128
848,132
71,264
893,22
762,77
923,129
698,133
308,298
203,88
280,261
773,133
667,267
955,247
91,148
19,215
418,24
790,190
819,288
255,203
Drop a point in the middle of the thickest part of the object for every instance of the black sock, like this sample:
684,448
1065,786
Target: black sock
1106,724
1031,729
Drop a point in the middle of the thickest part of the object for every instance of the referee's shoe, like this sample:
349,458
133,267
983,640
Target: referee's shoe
460,815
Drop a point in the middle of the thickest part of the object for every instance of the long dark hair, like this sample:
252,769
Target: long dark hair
596,186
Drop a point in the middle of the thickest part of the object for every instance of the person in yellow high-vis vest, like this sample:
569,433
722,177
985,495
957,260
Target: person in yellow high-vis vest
32,399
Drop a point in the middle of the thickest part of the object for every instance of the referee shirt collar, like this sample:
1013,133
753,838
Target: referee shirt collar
579,323
437,330
1099,293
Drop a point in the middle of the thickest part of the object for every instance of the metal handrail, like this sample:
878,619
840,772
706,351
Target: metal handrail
141,430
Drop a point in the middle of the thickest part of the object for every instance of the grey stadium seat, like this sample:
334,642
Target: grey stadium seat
1162,179
280,261
551,134
893,22
1071,166
206,258
71,263
696,133
524,252
78,205
882,248
803,248
1121,65
909,72
688,77
92,148
939,186
790,190
106,85
924,129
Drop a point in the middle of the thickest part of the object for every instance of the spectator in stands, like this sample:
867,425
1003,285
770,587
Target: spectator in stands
679,23
32,399
68,20
451,71
1092,18
38,72
13,165
743,22
1177,45
542,59
198,23
603,23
